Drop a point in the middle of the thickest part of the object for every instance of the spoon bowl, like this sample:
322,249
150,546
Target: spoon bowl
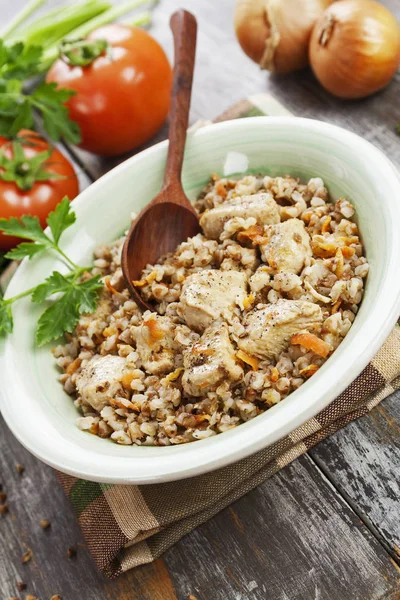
170,218
150,237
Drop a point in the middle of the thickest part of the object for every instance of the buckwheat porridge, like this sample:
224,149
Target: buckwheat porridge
244,313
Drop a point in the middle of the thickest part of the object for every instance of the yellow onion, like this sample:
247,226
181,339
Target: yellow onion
276,33
355,48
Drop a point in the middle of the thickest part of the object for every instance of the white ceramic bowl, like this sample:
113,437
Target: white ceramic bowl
43,417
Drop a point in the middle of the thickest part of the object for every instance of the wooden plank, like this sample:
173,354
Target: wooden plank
363,462
149,582
291,538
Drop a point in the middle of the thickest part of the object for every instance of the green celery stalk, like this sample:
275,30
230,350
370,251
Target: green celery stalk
107,17
52,28
50,17
20,17
51,53
142,20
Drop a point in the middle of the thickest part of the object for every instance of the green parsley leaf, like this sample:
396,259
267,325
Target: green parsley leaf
50,101
6,319
19,61
63,314
23,120
25,249
27,227
88,294
11,86
16,111
60,317
53,284
61,218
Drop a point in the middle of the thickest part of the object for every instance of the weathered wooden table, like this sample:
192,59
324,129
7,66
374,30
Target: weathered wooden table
328,526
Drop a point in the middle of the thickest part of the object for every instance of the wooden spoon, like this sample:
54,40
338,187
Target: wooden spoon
170,218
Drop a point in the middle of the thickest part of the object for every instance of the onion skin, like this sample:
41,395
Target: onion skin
252,27
355,48
276,33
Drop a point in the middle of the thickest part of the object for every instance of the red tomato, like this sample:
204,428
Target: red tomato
123,96
43,196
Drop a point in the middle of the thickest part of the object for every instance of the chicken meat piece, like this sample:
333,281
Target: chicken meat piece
288,247
260,206
155,343
210,361
208,295
100,379
269,329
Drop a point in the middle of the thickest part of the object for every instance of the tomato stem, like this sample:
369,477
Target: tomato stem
22,171
82,53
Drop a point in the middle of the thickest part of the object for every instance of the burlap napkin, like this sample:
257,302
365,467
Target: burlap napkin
126,526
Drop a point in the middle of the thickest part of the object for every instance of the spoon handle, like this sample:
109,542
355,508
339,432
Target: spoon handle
184,28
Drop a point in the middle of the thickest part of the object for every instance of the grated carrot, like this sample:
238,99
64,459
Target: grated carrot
221,190
250,360
347,241
109,286
248,301
348,251
109,331
94,428
139,282
146,280
155,333
175,374
324,250
311,342
325,225
253,234
309,371
70,370
127,379
274,375
306,216
203,385
205,351
339,267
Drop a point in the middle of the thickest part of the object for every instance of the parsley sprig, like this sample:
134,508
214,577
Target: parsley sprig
19,63
71,294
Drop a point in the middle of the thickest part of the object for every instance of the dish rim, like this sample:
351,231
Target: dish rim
198,458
